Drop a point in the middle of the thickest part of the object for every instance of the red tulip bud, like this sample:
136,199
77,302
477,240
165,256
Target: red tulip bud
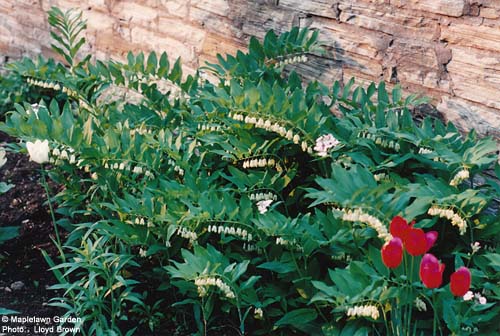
399,227
392,252
431,271
460,281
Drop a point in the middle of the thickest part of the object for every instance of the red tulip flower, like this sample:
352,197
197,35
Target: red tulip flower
431,271
416,242
399,227
392,252
460,281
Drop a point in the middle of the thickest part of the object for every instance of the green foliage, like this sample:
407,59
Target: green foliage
66,28
233,196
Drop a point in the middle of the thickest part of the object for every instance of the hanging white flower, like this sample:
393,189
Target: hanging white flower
3,159
264,205
324,143
38,151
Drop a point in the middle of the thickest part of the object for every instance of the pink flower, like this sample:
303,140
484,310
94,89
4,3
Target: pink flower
431,271
431,238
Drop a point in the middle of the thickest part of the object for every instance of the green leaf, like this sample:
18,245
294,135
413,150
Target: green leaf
297,317
494,259
278,267
383,97
151,63
4,187
163,66
5,311
8,232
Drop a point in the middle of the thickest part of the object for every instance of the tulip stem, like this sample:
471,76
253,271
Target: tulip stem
434,321
410,308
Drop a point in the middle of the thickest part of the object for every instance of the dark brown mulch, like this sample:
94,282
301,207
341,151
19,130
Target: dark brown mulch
24,274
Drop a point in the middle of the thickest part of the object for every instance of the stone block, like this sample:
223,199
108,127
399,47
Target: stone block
135,13
321,8
490,13
344,37
467,116
182,31
479,37
177,8
399,23
455,8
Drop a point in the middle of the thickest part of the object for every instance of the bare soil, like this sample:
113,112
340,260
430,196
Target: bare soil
24,274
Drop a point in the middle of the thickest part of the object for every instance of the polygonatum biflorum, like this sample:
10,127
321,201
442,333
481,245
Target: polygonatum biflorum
243,201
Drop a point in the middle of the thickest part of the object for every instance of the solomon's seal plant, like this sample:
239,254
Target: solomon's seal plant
247,205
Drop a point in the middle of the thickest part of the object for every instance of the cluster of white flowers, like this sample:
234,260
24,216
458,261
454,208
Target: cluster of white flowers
177,169
233,231
357,215
263,205
342,257
142,252
293,60
250,247
3,159
51,85
380,177
479,298
366,310
380,140
424,150
63,154
459,177
258,313
263,196
475,247
204,282
324,143
470,330
420,304
35,107
187,234
126,166
455,218
289,243
140,131
273,127
261,163
211,128
141,221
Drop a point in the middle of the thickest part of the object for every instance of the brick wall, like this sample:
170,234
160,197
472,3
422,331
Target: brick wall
446,49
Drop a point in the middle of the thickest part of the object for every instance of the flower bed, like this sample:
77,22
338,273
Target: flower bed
245,201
